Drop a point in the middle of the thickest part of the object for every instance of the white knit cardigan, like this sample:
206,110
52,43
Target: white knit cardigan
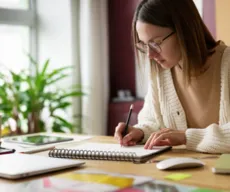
162,108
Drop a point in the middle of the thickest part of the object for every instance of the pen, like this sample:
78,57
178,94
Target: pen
127,122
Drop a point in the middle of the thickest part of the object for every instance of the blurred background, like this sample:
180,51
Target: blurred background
41,39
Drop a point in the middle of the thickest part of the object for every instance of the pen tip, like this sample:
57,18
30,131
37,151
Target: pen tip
131,107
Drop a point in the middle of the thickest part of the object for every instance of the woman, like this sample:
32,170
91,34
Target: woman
188,96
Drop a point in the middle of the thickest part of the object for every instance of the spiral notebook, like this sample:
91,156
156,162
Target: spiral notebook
107,151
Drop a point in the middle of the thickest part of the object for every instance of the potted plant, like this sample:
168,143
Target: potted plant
26,97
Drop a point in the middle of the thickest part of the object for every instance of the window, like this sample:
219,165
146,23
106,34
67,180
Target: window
14,4
17,33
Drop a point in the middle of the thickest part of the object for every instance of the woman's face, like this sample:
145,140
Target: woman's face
170,54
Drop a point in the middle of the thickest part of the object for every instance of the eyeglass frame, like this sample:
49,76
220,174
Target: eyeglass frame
155,44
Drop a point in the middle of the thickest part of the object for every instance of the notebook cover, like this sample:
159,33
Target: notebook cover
222,164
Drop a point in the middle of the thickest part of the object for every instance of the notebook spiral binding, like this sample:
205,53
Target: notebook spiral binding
92,155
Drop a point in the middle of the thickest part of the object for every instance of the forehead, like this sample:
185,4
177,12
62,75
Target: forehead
148,31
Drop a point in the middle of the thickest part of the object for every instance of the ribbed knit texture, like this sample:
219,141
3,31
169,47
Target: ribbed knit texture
162,108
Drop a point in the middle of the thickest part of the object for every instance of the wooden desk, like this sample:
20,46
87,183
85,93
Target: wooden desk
201,177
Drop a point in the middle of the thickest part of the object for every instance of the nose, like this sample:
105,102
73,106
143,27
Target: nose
152,53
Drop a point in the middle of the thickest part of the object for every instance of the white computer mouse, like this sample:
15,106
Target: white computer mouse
179,163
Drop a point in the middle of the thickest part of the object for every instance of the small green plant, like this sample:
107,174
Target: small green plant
26,96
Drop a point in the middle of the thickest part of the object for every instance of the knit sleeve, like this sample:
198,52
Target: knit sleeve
146,118
213,139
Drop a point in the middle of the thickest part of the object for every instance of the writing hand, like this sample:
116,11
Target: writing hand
133,135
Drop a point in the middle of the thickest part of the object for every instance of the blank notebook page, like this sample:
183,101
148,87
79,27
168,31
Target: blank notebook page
138,149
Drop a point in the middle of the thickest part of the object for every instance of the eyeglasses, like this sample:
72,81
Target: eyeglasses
154,46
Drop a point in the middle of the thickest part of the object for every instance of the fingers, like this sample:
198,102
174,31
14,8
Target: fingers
128,139
163,143
158,133
162,137
174,137
118,131
158,139
148,142
151,141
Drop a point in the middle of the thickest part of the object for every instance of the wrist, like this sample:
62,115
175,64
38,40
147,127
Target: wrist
185,139
141,134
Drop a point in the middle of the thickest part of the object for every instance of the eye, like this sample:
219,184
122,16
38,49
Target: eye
153,44
157,42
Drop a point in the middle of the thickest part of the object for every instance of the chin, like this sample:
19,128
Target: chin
165,65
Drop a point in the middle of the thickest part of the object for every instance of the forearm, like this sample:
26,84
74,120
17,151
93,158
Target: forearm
213,139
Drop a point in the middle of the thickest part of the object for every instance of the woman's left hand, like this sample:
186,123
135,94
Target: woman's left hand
166,136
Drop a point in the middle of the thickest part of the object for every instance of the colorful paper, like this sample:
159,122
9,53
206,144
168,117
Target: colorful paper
178,176
102,178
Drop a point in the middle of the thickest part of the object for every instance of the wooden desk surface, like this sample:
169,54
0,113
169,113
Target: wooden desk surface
201,177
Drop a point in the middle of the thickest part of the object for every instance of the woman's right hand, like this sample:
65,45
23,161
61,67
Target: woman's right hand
133,136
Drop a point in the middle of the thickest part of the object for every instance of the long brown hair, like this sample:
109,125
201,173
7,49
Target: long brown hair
195,41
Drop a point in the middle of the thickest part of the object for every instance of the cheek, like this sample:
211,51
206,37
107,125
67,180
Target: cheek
172,53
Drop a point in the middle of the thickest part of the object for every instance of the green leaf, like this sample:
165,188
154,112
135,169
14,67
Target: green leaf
65,123
45,67
51,81
58,71
62,105
41,78
71,94
5,108
57,127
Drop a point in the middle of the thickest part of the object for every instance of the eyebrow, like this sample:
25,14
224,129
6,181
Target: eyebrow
150,40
